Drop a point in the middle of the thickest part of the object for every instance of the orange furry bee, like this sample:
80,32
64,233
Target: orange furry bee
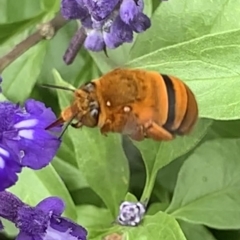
138,103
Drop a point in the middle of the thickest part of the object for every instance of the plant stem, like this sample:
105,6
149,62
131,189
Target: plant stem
45,31
148,187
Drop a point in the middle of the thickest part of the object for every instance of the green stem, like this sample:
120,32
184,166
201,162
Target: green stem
148,187
45,31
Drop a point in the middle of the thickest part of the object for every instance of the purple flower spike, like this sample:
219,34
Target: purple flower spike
22,130
129,9
9,167
140,23
71,9
100,9
43,222
107,23
94,41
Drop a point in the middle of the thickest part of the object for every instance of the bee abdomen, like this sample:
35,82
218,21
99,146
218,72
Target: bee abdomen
182,107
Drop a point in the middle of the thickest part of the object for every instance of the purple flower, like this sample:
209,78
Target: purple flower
72,10
94,41
110,22
130,9
100,9
23,130
140,23
9,167
131,213
42,222
117,33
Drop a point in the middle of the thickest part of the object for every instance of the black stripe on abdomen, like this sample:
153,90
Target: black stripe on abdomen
171,102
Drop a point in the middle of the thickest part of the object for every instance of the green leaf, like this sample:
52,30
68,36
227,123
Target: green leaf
71,176
180,21
10,29
53,5
158,154
10,10
2,98
100,159
208,186
130,197
34,186
103,164
195,232
93,217
226,129
21,76
156,207
158,226
9,229
167,176
208,65
86,196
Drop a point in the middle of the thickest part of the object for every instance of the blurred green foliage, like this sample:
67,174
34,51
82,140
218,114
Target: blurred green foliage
192,182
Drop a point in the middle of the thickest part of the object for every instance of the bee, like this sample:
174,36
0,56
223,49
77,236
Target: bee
137,103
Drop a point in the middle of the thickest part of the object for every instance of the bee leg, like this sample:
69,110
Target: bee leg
157,133
138,135
77,124
106,127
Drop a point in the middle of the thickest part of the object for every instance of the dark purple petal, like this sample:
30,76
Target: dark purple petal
9,167
9,205
100,9
24,236
44,115
34,107
52,204
87,22
7,112
140,23
22,129
65,225
128,10
94,41
72,10
35,146
32,221
140,5
80,2
119,33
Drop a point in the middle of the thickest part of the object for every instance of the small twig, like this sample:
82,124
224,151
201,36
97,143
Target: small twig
45,31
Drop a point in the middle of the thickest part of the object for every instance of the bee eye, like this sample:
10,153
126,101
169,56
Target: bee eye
93,104
89,87
94,112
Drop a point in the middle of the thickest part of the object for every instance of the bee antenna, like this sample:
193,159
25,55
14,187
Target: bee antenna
45,85
66,126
